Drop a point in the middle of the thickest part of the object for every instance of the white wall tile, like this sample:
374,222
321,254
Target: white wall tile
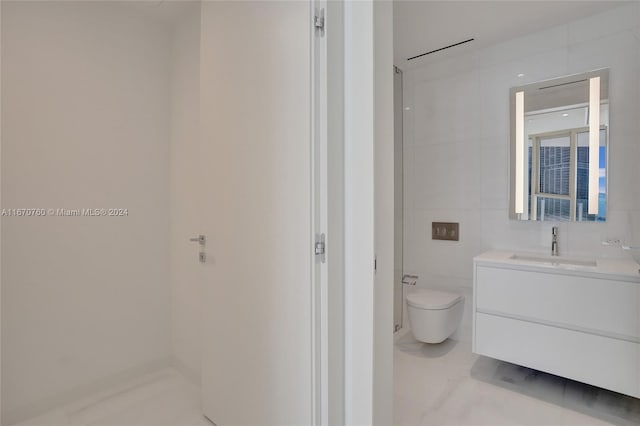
446,109
617,51
586,238
500,232
456,165
603,24
494,188
624,152
496,80
408,131
447,176
524,47
636,32
409,187
446,67
633,238
427,257
411,243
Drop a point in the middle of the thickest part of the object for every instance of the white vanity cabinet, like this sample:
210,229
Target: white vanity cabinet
571,320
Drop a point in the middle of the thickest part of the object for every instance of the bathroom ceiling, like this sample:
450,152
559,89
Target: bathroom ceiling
423,26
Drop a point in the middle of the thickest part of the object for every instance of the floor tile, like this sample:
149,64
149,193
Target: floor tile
447,384
165,398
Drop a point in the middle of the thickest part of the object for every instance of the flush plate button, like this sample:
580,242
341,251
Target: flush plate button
449,231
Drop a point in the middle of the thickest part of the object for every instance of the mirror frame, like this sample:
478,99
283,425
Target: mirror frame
566,79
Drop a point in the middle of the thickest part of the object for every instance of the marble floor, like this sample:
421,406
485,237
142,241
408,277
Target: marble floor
165,398
434,385
448,385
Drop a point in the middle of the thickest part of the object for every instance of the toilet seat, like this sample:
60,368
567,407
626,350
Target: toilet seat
432,299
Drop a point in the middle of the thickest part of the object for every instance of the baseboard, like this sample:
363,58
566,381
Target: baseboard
66,397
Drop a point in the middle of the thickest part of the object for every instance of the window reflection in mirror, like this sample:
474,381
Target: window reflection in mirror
551,169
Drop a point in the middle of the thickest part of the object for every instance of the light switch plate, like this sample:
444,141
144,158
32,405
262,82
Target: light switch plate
449,231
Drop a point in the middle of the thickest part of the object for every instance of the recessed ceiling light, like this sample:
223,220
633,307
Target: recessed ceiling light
407,108
520,75
565,115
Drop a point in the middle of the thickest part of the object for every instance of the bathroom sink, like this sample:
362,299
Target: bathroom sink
554,260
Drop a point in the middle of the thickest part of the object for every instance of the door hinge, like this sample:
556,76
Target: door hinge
318,22
375,265
319,248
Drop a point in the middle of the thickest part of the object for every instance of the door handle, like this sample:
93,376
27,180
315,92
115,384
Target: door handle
200,239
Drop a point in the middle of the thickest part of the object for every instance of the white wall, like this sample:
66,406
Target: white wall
456,138
384,210
0,220
186,271
86,95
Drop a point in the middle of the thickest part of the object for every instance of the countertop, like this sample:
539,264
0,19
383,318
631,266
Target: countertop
611,268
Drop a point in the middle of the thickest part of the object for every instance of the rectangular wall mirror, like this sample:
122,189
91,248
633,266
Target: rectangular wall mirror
559,149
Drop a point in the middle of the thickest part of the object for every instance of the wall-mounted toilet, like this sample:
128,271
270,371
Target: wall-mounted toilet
434,315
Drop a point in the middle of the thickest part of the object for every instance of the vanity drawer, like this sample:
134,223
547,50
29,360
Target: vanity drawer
599,306
608,363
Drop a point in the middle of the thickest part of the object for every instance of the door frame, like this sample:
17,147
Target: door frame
328,201
368,89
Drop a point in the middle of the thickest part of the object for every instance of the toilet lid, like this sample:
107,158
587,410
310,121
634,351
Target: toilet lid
432,299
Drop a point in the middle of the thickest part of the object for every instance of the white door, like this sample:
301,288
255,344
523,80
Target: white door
258,349
384,213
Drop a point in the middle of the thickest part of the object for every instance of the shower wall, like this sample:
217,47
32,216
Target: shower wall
86,106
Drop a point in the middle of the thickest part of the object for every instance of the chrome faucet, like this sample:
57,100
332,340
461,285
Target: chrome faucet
554,241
